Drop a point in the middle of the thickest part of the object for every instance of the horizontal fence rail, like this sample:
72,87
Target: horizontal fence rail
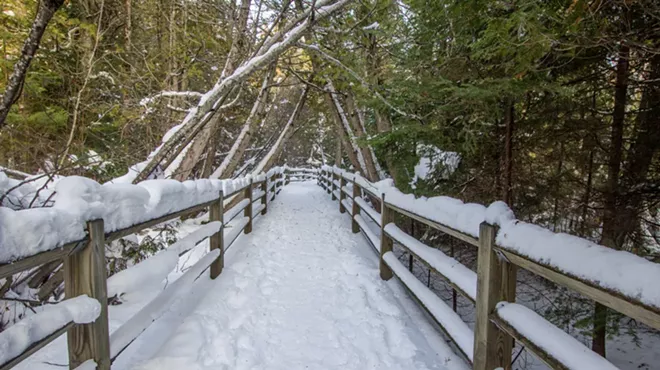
492,288
85,268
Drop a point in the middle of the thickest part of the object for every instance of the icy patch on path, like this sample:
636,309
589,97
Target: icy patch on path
301,293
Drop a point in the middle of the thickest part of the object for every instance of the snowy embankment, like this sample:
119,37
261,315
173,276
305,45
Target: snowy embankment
77,200
614,270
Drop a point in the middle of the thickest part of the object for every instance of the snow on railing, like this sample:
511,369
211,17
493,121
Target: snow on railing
607,276
560,347
27,232
90,214
34,332
155,269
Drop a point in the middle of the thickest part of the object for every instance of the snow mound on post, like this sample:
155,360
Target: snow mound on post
18,337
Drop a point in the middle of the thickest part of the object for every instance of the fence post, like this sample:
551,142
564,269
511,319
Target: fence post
492,347
84,273
287,177
328,185
342,194
385,241
356,210
264,198
248,209
216,213
334,186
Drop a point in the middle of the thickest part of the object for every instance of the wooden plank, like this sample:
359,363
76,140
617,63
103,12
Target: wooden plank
629,306
428,265
369,211
342,195
114,235
264,198
216,213
333,186
355,228
543,355
34,347
247,212
438,226
437,319
84,273
492,347
387,216
9,269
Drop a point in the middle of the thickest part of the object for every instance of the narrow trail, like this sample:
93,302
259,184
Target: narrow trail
299,293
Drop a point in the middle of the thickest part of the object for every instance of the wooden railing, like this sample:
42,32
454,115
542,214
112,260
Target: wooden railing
85,271
300,174
499,320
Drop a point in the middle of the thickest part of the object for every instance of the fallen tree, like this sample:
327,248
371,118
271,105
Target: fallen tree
180,137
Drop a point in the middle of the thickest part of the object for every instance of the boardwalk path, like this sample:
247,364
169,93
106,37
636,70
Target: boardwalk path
301,292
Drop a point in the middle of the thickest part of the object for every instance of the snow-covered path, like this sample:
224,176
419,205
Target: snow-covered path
302,292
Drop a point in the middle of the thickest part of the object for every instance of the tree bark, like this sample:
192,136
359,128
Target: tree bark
343,136
198,117
44,14
360,132
267,162
609,233
507,183
231,161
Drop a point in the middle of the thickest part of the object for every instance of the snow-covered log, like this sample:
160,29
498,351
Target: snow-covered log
268,160
230,162
194,122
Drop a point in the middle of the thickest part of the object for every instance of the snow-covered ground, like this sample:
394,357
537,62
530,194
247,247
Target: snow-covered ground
300,292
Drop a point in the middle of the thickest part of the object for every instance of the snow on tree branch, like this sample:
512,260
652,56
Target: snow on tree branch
194,121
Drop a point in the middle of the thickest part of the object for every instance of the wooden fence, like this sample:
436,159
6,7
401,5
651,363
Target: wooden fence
492,290
85,271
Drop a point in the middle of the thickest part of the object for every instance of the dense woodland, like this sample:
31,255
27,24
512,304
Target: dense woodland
552,106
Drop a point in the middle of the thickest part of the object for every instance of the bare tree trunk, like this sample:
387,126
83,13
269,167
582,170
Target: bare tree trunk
560,163
360,132
128,26
347,133
230,162
345,140
609,233
267,162
44,14
198,117
89,67
587,191
202,142
383,123
643,150
507,186
338,155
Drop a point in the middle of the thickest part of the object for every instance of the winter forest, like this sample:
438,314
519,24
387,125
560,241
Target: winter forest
551,106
